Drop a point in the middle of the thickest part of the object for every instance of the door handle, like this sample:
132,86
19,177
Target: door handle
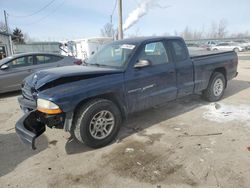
171,72
30,70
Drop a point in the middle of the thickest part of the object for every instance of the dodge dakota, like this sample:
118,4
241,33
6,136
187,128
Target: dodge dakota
125,76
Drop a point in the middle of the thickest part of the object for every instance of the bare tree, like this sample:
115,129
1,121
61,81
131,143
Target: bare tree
176,33
222,28
166,34
189,34
135,34
217,30
213,31
186,34
108,30
197,35
27,38
240,34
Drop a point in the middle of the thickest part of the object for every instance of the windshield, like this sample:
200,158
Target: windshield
113,55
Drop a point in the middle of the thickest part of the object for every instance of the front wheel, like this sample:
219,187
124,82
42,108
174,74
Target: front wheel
216,87
97,123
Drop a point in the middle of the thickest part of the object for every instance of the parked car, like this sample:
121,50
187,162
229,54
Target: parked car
192,44
15,68
228,46
194,47
211,43
244,43
208,44
124,77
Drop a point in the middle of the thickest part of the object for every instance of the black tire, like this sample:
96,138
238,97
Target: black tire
215,49
209,93
236,50
83,117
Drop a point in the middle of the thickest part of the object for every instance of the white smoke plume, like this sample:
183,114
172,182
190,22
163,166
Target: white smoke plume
140,11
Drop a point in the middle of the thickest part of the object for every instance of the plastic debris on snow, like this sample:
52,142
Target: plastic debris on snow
223,113
129,150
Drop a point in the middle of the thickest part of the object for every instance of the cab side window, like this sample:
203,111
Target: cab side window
180,51
155,52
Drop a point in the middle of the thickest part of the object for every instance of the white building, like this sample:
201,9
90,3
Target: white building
5,45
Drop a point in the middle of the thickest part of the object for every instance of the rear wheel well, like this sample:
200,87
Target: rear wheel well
223,71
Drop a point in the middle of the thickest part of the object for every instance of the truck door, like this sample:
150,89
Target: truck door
152,84
184,67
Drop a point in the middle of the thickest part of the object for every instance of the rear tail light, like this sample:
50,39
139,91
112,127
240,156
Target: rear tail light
78,62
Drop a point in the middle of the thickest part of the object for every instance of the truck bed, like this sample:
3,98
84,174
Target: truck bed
205,64
205,53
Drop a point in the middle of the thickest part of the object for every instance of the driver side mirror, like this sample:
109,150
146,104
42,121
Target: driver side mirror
142,63
4,67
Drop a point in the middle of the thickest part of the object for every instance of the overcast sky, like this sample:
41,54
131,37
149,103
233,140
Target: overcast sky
70,19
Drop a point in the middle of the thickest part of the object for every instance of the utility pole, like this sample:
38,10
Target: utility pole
7,31
6,21
120,31
111,19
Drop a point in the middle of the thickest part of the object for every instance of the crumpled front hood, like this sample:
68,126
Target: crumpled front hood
67,74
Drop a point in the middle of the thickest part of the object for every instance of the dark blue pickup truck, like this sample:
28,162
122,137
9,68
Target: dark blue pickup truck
125,76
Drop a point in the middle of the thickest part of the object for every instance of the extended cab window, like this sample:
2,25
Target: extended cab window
155,52
180,51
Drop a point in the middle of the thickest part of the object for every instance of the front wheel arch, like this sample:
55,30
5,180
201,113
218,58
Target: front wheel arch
81,122
108,96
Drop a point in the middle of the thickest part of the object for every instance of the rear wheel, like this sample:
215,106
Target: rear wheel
216,87
236,50
97,123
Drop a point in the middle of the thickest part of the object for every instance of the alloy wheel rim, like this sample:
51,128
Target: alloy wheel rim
218,87
102,124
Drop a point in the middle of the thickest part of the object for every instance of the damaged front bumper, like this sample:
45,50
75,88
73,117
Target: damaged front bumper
33,123
29,128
